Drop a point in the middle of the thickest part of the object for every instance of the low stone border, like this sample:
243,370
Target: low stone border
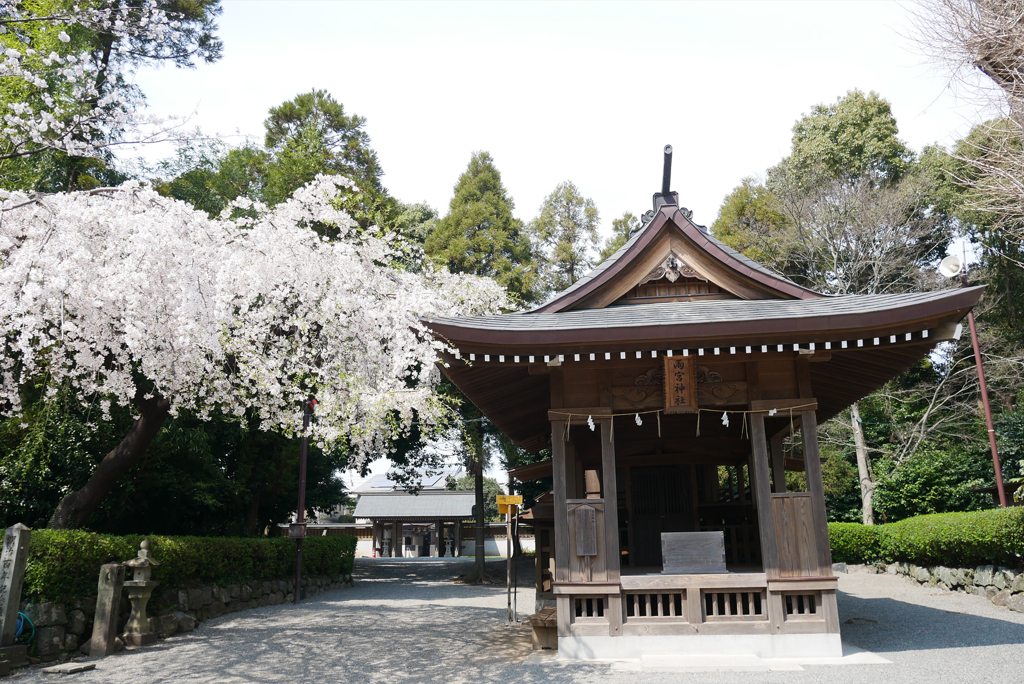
63,629
1003,586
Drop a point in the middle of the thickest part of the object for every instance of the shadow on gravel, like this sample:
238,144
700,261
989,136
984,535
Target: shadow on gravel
887,625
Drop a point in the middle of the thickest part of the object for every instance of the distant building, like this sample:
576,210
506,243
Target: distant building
414,525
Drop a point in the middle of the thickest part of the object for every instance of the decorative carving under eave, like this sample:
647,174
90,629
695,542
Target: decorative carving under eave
719,390
656,376
647,390
638,397
674,267
706,375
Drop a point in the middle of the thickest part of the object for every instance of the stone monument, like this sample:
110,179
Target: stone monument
12,574
138,631
108,601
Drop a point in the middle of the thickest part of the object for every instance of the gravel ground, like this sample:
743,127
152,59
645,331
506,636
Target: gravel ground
407,621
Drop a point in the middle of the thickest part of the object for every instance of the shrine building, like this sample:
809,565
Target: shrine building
679,386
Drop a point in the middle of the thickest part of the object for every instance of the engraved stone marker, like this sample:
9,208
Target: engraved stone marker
12,574
108,600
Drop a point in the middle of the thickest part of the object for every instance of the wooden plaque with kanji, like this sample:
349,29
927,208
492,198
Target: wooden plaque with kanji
680,385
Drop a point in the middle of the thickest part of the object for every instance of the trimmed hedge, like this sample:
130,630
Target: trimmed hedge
855,543
963,540
65,564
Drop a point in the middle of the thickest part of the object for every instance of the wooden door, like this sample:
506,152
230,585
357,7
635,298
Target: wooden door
661,501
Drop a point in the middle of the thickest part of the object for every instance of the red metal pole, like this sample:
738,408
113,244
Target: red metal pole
988,411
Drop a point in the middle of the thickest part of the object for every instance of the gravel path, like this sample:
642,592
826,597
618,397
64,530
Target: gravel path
406,621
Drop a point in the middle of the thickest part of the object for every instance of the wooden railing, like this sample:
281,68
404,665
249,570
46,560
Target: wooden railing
730,603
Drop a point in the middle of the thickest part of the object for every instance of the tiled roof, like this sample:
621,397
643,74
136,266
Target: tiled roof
695,313
435,481
423,505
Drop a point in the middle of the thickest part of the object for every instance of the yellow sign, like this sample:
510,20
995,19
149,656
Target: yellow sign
505,499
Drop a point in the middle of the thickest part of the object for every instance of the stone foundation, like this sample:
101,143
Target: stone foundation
1003,586
63,629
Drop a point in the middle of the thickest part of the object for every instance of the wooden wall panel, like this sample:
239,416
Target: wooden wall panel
580,387
796,533
778,379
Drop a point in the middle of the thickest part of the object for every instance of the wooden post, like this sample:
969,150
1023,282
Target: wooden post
763,497
778,465
457,544
435,548
396,539
630,541
558,472
812,469
610,495
694,498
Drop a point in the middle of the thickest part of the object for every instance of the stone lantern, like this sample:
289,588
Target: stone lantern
138,631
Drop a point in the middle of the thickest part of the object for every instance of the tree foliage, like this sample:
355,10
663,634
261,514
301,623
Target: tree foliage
566,229
622,228
480,235
67,88
146,302
492,489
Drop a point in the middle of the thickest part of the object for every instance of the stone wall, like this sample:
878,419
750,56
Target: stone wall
1002,586
62,629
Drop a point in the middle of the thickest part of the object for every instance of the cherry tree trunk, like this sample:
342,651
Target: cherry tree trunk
74,509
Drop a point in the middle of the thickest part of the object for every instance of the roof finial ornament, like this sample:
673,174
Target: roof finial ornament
665,198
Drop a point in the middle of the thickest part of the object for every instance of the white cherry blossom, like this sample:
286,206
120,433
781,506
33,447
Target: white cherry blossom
119,288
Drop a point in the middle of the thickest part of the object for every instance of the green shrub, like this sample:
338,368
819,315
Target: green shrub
967,540
64,564
855,543
958,539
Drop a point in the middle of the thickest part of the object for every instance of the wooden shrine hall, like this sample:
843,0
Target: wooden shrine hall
679,386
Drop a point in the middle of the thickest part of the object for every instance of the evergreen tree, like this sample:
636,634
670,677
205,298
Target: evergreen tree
481,236
622,227
312,134
567,228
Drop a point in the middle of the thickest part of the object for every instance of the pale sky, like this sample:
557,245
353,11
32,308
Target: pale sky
582,91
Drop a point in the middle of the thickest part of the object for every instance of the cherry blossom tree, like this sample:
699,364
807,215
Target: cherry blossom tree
66,69
142,300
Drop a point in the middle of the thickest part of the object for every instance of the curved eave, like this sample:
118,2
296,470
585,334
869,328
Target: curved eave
518,333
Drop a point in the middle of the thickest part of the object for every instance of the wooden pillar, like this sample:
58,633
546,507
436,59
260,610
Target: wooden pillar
611,523
630,540
396,539
435,548
457,543
812,469
374,545
763,497
694,500
778,465
558,472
